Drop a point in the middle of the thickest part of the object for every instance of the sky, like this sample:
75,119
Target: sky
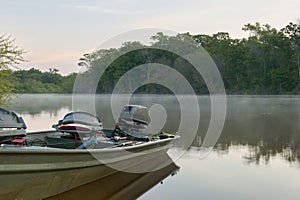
56,33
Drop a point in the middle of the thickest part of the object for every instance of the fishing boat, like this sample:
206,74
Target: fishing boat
37,165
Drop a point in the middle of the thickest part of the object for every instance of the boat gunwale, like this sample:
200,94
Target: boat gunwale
42,150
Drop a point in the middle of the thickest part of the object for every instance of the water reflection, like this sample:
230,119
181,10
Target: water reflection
34,104
119,185
258,130
266,126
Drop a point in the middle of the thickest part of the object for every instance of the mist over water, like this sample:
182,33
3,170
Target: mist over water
259,147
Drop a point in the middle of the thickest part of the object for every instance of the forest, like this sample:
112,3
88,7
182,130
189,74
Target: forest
36,81
265,62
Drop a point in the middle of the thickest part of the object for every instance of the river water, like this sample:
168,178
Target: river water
256,157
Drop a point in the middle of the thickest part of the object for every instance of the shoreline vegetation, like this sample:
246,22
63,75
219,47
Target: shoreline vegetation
267,62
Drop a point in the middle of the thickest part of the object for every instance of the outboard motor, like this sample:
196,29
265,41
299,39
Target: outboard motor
133,120
76,125
79,122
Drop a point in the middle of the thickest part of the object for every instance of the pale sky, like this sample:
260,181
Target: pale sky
55,33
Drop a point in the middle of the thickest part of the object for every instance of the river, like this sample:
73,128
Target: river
256,157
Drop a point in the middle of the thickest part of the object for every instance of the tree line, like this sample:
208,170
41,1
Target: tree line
36,81
266,62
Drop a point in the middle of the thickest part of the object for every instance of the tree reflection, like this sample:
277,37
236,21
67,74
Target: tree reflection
265,126
35,104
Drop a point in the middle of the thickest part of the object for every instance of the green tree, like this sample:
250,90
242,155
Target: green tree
274,54
36,81
265,62
10,56
67,83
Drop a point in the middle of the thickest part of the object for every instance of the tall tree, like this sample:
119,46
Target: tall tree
266,62
292,32
10,56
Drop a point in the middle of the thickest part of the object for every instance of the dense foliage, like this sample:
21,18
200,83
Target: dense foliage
35,81
10,55
267,62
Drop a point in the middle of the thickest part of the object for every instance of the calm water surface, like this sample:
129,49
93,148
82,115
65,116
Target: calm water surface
256,157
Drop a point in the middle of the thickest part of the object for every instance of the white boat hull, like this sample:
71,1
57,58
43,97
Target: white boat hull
41,173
